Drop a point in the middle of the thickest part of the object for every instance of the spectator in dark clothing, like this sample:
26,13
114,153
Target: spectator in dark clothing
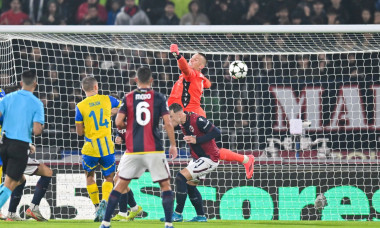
298,17
83,14
332,17
92,17
340,9
221,14
282,16
253,17
170,18
115,9
376,17
366,17
52,16
154,9
318,15
65,12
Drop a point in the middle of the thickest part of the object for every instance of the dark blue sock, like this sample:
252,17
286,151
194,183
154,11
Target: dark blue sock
168,204
16,197
131,199
41,187
113,200
196,199
123,203
181,193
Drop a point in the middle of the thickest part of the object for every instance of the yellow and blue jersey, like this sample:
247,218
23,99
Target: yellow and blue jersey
95,113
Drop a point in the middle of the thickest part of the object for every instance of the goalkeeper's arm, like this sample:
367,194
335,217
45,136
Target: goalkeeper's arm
182,63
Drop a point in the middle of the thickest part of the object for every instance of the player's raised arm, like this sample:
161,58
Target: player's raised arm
182,63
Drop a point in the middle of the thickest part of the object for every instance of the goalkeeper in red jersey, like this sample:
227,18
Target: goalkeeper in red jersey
187,92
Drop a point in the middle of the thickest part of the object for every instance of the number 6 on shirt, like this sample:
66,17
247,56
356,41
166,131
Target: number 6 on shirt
141,108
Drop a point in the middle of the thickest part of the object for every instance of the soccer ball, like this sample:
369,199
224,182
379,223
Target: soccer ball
320,202
238,69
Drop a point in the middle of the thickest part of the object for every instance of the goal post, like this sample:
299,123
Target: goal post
308,110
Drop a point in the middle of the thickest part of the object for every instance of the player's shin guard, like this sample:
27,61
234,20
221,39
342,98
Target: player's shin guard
106,190
93,192
16,197
1,173
196,199
113,200
168,204
5,193
131,199
228,155
123,203
181,193
41,187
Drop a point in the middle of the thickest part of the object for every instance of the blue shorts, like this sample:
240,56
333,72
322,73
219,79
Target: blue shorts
107,163
1,163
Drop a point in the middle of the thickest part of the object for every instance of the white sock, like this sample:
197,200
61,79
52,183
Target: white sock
124,214
135,208
33,206
106,223
246,159
177,213
168,224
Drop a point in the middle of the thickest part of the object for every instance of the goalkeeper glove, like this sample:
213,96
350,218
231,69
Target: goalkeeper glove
174,50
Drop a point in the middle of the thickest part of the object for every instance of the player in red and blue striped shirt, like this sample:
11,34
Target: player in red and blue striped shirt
142,109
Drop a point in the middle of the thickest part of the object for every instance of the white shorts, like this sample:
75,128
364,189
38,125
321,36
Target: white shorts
132,166
31,167
200,167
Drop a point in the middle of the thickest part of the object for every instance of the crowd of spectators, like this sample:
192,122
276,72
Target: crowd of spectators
188,12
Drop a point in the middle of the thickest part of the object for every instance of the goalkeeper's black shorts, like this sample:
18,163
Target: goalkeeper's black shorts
14,154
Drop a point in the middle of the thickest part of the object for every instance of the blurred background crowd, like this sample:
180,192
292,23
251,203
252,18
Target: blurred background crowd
188,12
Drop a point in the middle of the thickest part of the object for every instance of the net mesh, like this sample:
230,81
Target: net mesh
329,80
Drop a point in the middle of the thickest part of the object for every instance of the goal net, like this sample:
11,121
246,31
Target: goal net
308,110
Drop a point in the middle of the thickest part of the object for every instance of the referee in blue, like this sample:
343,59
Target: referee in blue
23,113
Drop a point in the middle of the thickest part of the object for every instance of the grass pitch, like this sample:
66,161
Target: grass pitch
209,224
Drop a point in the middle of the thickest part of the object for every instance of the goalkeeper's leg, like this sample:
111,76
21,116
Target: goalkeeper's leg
247,161
228,155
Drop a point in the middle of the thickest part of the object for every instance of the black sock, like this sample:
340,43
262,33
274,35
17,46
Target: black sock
16,197
131,199
196,199
113,200
41,187
123,203
168,204
181,194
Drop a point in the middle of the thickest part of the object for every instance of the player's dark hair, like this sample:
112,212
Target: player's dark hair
204,56
28,77
88,83
170,3
175,107
144,74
